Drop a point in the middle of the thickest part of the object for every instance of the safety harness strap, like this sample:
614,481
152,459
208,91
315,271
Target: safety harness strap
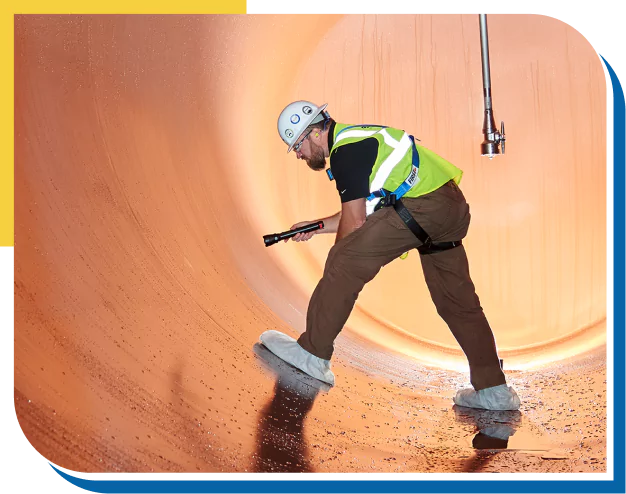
393,199
427,247
409,182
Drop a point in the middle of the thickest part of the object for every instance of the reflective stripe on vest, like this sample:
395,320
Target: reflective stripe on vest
400,149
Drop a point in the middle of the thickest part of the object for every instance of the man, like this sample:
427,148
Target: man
395,196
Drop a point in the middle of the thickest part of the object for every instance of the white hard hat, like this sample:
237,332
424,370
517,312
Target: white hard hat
296,117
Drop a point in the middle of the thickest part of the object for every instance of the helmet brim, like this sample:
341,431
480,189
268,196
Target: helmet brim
312,117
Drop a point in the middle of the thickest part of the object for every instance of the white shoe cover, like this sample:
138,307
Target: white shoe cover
500,397
290,351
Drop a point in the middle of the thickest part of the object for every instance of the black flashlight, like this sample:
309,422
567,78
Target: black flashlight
277,237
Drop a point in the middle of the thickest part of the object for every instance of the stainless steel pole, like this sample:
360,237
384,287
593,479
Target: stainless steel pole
492,138
484,53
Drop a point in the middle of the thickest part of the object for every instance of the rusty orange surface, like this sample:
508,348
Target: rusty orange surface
147,169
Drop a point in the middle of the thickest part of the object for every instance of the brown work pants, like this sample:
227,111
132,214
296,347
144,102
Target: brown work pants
357,258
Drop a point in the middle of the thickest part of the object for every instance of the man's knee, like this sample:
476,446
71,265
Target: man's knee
331,260
347,264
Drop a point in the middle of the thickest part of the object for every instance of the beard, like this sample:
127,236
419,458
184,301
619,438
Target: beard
317,161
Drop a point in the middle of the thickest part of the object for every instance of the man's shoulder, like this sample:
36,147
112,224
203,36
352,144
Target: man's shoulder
367,144
362,152
365,141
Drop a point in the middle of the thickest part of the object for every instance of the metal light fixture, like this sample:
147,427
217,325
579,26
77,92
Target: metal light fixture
494,139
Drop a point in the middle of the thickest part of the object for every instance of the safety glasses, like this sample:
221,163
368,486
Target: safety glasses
299,145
